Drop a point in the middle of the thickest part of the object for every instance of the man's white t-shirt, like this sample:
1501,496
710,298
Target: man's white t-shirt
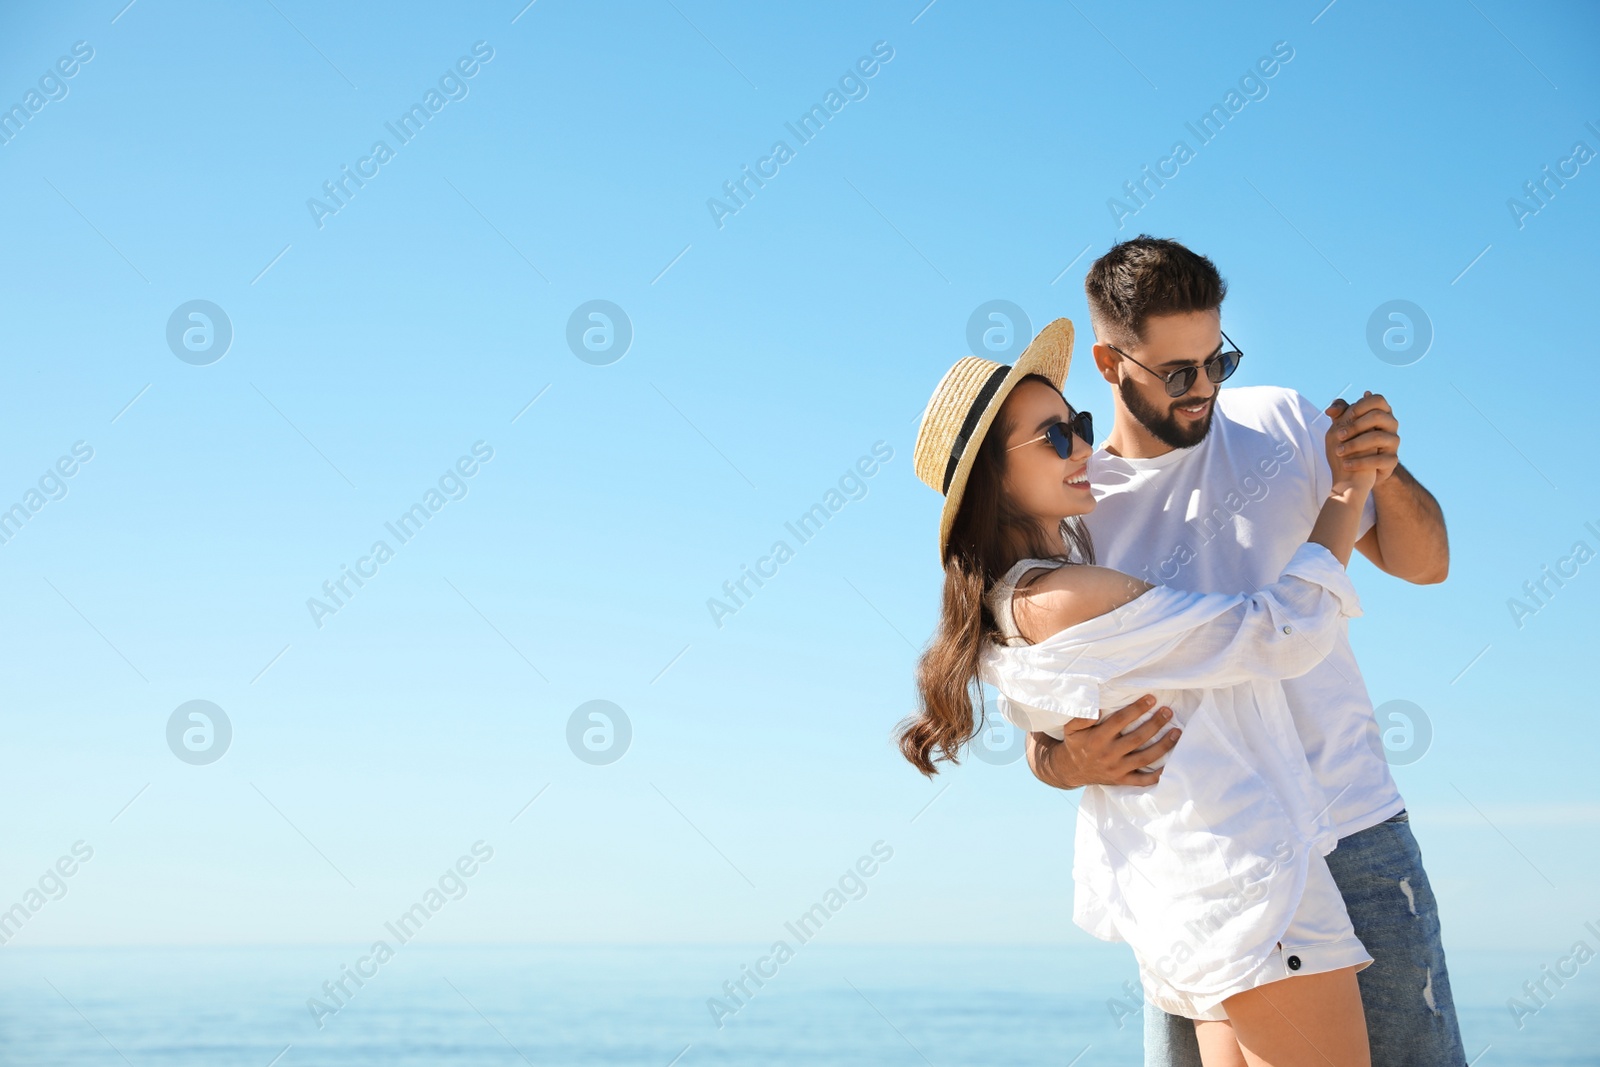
1225,516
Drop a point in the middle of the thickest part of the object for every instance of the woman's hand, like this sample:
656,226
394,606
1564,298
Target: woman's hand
1372,433
1346,477
1340,518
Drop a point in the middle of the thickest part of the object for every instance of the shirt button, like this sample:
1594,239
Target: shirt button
1294,963
1288,630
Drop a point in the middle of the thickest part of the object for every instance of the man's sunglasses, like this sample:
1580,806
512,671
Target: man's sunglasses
1219,368
1060,434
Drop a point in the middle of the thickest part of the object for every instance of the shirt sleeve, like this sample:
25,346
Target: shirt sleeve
1169,639
1281,632
1023,717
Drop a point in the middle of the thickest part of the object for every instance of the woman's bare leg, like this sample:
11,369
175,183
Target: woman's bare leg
1314,1021
1218,1046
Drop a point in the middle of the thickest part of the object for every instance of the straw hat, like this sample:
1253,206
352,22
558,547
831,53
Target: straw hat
964,405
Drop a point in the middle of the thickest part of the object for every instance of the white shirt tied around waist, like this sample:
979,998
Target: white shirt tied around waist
1201,872
1224,517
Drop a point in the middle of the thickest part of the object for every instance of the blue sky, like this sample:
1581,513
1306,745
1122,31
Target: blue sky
430,313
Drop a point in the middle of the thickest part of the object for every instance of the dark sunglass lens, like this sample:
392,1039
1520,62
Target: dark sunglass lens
1181,381
1221,368
1083,426
1060,439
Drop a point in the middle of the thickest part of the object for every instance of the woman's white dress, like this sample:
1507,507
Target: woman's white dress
1204,872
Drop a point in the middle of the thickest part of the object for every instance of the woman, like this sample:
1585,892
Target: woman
1214,875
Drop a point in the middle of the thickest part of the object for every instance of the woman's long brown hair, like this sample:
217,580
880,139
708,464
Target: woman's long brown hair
990,533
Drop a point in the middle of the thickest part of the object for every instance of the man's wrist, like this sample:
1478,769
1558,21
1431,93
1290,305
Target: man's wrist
1397,482
1052,767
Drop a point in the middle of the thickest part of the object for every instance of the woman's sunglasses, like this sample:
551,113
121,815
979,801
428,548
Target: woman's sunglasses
1060,434
1218,369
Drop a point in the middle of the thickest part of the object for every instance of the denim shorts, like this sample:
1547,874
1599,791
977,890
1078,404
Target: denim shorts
1411,1018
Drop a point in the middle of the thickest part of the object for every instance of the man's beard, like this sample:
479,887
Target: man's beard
1166,425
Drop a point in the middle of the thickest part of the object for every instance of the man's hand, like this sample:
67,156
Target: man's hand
1368,433
1095,752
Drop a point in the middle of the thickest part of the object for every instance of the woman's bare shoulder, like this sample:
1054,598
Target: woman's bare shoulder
1068,596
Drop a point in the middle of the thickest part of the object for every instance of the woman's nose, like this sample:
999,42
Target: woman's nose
1081,449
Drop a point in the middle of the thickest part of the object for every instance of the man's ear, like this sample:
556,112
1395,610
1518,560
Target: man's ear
1106,361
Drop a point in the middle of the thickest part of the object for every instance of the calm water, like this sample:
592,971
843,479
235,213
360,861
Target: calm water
646,1006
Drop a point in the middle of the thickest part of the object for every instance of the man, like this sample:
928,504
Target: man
1212,490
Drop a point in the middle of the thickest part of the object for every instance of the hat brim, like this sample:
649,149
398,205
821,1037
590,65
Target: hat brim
1048,354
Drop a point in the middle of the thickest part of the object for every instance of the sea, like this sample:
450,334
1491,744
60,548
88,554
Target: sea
670,1006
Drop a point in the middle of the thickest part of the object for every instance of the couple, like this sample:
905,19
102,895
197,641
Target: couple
1238,827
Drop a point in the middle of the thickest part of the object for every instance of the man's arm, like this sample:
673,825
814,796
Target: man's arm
1409,539
1094,752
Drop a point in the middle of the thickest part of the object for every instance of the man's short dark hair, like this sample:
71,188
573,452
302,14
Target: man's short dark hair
1147,276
